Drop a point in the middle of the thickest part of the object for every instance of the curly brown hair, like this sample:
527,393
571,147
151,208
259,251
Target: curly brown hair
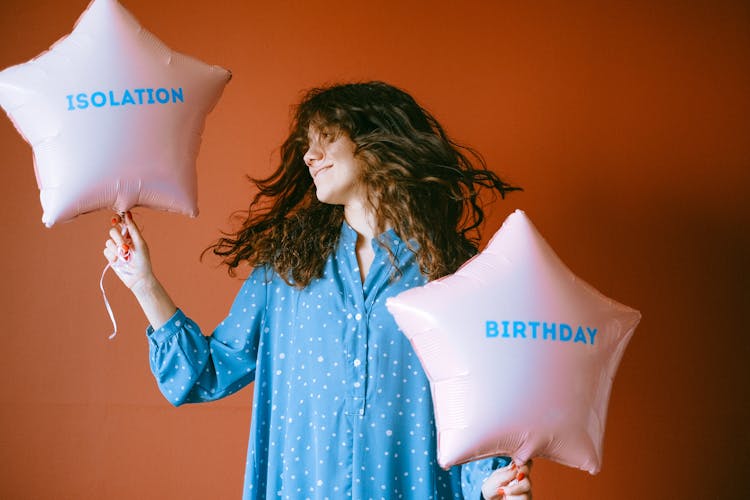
419,182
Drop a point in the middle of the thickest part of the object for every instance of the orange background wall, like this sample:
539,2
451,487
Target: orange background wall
628,124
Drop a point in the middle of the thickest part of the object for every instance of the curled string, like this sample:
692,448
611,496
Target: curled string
123,255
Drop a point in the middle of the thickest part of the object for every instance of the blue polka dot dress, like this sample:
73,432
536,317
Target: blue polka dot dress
342,408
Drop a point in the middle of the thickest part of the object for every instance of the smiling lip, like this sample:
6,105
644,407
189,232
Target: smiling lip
318,170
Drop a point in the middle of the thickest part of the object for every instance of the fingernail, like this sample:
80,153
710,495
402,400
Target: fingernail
520,476
500,492
513,466
115,220
125,247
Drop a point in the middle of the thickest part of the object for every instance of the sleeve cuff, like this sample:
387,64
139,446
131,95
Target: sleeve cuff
500,462
170,328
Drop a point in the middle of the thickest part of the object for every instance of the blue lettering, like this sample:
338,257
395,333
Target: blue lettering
98,99
109,98
127,98
492,330
580,337
548,330
566,333
162,96
177,95
534,330
592,334
534,325
82,100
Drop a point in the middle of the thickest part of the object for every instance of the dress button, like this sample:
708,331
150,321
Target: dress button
357,362
358,316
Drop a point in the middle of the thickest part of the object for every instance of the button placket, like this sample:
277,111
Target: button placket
355,340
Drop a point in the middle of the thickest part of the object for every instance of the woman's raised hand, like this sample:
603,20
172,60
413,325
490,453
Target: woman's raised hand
508,483
128,252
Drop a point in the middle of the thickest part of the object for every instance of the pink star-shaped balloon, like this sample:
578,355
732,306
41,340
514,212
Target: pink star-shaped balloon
114,117
520,353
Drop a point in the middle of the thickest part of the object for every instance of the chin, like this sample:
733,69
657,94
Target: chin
325,198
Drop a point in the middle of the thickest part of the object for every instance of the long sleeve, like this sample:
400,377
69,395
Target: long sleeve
191,368
473,475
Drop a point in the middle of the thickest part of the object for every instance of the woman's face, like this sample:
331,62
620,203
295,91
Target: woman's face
333,167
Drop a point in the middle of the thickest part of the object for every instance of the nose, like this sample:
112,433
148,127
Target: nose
313,154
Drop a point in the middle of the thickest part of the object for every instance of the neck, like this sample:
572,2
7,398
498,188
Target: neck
362,219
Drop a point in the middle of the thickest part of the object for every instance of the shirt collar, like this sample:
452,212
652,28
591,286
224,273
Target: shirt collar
388,239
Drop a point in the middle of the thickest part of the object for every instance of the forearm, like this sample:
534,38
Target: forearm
190,367
154,301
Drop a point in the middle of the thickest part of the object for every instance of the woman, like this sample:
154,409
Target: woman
371,198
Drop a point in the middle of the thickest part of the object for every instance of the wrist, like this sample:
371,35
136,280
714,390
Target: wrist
154,300
145,287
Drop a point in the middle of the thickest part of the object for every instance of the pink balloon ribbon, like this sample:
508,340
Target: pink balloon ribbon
122,256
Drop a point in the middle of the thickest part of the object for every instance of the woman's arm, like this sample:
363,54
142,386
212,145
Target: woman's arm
128,253
188,366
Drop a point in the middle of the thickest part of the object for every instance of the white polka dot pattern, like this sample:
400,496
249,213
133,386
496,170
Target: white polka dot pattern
341,408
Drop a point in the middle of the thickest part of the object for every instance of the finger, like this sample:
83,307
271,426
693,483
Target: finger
116,237
492,486
134,230
113,249
110,254
522,487
111,245
504,475
524,469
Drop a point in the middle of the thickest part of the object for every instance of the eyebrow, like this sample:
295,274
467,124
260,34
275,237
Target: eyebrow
318,131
